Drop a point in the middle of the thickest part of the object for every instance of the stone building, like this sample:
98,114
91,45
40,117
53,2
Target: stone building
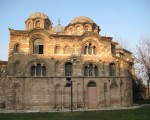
41,57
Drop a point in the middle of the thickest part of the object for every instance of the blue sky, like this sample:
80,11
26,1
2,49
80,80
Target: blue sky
121,19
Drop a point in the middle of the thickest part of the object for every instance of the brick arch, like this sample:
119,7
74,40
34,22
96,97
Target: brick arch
16,96
34,35
27,66
67,49
87,43
58,49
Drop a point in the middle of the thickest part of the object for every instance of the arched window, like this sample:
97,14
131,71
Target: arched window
113,52
44,71
86,29
112,69
71,31
91,84
94,50
85,50
95,71
38,70
90,69
86,71
33,71
90,49
37,24
68,69
46,25
16,48
78,31
38,47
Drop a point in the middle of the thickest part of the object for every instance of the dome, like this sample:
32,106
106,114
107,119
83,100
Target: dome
38,14
58,28
82,19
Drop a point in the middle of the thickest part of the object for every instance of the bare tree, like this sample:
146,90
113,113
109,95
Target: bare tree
142,59
122,42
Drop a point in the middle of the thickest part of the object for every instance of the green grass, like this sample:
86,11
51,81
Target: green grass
142,113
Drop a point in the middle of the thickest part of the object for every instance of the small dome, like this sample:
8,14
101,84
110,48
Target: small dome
38,14
58,28
82,19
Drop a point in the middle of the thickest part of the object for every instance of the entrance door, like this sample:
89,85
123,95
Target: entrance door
92,95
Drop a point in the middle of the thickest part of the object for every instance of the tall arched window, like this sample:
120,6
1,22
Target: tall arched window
37,24
91,84
95,71
46,25
16,48
33,71
86,69
90,49
90,70
68,69
94,50
71,31
78,31
38,47
38,70
85,50
113,51
86,29
112,69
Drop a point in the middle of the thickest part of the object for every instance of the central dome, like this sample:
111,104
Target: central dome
82,19
38,14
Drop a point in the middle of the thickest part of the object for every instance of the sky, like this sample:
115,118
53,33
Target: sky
124,20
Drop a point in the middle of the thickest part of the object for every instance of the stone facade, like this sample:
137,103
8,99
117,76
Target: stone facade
42,56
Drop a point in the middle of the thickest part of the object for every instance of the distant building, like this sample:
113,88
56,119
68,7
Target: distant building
42,56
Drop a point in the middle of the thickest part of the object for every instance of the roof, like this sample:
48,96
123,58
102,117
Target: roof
82,19
38,14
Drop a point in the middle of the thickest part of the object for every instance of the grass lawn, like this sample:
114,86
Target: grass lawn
142,113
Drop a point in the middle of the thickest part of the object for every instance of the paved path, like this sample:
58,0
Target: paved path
67,110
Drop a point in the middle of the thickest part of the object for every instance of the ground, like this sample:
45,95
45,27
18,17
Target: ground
142,113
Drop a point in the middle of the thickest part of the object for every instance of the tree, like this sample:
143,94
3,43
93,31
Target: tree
142,59
138,89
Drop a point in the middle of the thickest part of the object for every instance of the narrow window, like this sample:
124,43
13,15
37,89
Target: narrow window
85,50
38,47
86,29
44,71
71,32
38,70
78,31
68,69
113,52
90,69
46,25
95,71
37,24
86,71
112,69
16,48
90,49
94,50
33,71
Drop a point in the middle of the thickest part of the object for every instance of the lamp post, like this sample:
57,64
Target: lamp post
69,84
